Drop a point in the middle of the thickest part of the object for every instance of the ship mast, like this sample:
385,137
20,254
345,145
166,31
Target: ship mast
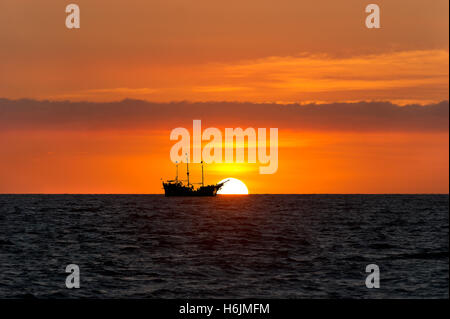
203,184
176,178
187,168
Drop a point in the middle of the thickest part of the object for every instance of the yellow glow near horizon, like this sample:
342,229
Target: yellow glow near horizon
233,186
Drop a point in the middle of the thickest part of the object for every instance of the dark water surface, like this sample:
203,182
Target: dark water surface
279,246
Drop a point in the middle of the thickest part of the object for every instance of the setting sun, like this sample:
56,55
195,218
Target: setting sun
233,186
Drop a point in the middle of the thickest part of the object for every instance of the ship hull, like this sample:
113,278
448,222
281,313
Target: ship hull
178,189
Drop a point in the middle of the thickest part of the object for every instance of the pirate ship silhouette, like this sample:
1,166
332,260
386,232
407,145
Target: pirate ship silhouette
178,187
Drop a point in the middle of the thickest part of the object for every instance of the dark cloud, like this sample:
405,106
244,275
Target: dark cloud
142,115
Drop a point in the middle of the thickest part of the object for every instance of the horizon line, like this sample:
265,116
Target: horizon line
162,194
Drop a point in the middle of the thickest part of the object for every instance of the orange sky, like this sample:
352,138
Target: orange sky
114,163
256,51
